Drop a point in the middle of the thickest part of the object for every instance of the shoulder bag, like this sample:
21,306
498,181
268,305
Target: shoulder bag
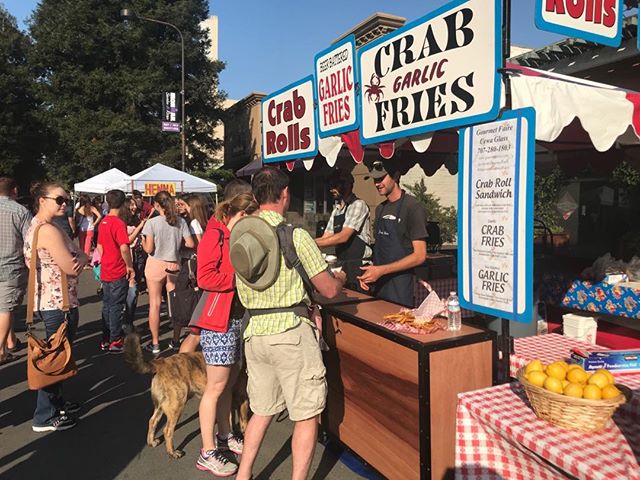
48,361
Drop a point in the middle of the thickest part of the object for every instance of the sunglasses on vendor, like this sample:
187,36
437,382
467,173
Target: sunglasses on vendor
379,172
60,200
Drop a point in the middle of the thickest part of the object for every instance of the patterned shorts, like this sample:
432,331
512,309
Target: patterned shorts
222,348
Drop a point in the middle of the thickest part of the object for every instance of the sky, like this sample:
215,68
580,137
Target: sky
269,44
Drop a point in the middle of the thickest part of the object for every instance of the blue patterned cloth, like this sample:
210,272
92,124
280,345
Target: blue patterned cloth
222,348
603,298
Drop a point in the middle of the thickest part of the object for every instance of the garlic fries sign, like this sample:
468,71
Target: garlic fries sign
594,20
437,72
335,88
495,220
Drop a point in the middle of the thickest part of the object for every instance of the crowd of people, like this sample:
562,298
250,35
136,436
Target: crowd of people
248,303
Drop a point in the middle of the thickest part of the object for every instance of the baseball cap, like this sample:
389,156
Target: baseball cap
378,170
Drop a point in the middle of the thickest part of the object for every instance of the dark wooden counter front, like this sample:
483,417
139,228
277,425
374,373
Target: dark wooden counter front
392,397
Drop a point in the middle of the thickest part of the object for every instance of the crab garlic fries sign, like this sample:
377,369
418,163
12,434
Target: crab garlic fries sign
335,87
594,20
437,72
495,220
288,123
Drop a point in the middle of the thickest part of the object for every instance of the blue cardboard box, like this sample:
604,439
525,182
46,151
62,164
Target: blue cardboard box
622,361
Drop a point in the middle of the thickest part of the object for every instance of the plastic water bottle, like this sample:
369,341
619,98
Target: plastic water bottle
454,314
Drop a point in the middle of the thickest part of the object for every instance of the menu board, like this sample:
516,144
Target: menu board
495,220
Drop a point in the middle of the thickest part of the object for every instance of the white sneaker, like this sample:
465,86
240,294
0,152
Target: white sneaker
233,442
216,462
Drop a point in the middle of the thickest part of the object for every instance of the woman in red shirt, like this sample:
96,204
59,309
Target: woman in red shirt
220,320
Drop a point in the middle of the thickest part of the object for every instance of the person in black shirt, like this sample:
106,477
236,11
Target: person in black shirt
400,232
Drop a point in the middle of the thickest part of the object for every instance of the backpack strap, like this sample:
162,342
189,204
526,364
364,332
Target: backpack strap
284,232
291,258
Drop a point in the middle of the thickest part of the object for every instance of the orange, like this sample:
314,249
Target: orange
556,370
599,379
534,366
573,390
553,385
610,391
592,392
575,365
537,378
577,375
563,364
607,374
565,383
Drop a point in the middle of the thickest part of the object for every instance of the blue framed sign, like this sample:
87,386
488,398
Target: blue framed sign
495,216
289,123
597,21
335,88
437,72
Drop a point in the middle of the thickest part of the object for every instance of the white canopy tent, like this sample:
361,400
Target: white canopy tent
104,182
160,173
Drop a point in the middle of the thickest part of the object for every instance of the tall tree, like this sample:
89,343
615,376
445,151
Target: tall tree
21,139
102,81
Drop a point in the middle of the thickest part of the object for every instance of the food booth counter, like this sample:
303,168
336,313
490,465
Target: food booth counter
392,396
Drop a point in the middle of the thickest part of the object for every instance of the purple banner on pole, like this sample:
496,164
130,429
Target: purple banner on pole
171,127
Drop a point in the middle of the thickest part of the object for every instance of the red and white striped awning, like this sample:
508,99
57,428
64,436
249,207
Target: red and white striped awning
571,114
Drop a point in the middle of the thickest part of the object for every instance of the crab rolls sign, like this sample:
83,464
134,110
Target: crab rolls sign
437,72
336,88
288,123
594,20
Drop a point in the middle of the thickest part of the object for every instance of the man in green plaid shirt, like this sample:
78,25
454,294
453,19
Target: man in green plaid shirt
284,361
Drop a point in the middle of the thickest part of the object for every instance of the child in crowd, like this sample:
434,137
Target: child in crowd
116,268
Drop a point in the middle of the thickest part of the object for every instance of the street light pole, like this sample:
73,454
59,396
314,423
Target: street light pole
128,13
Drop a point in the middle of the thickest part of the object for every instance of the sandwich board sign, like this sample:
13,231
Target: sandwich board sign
495,220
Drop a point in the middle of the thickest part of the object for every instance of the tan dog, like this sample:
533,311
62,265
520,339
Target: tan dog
176,379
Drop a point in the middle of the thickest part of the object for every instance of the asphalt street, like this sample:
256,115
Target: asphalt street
109,441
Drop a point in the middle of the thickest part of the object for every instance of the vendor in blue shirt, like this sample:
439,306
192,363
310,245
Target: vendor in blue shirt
400,232
348,229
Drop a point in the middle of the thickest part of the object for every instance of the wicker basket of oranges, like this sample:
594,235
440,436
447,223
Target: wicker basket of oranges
567,396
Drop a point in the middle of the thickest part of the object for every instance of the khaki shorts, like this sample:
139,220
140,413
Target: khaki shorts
156,271
286,371
12,292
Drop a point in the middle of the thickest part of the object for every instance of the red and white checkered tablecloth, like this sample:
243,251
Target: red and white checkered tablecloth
548,348
499,437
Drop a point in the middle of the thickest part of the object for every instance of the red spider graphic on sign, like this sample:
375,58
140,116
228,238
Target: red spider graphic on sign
375,89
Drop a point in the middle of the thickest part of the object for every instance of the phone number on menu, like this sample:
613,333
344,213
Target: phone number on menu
494,148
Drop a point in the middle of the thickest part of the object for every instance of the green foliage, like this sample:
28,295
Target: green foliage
21,135
101,81
545,198
626,175
447,217
627,178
